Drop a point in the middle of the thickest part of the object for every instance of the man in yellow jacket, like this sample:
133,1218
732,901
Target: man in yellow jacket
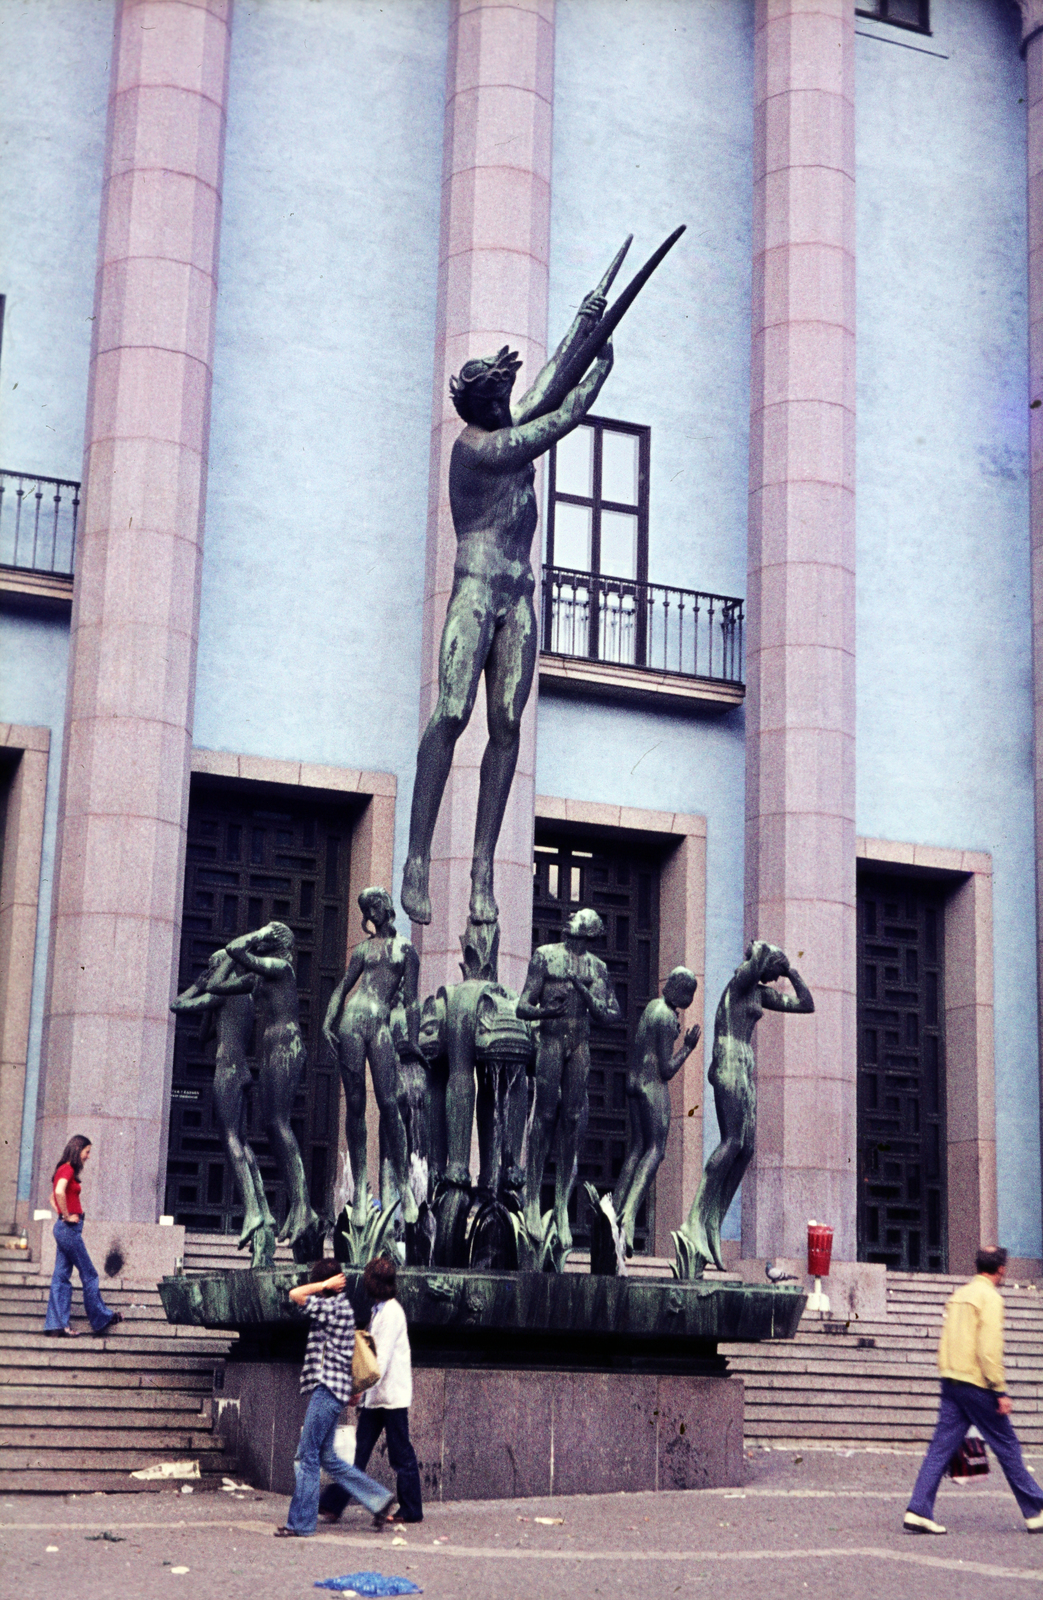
970,1360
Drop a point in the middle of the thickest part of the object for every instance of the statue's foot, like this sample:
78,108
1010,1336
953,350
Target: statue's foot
533,1222
713,1241
483,907
262,1255
251,1222
410,1209
695,1234
564,1232
360,1210
416,901
300,1221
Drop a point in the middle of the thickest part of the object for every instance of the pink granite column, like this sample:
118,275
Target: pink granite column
493,271
800,707
124,800
1032,50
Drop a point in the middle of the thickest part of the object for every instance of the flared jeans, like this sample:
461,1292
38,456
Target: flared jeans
72,1252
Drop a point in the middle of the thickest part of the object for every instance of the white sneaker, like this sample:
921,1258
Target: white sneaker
1034,1524
914,1524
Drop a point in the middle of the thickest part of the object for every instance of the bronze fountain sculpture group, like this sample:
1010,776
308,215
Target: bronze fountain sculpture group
516,1066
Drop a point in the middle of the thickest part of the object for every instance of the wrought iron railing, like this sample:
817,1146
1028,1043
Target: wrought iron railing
38,522
649,625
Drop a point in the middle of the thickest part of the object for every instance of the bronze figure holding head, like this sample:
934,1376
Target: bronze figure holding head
748,994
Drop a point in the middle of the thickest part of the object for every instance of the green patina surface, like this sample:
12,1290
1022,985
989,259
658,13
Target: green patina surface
513,1302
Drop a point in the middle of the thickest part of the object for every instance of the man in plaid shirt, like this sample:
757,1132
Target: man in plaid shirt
326,1376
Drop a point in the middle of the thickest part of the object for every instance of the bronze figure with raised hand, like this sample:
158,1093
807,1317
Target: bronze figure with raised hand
386,968
565,988
224,1002
748,994
490,626
650,1070
268,954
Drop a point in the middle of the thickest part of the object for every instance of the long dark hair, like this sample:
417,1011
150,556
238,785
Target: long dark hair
72,1155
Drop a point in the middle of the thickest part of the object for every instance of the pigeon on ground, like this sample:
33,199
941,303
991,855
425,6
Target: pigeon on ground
776,1275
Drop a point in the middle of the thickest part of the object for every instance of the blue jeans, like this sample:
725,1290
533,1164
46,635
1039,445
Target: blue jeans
316,1450
962,1404
372,1421
72,1252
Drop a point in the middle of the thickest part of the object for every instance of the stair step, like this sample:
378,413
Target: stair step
100,1399
97,1355
103,1480
159,1383
37,1458
33,1414
177,1441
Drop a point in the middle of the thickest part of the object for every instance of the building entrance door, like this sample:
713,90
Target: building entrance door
901,1074
621,882
252,860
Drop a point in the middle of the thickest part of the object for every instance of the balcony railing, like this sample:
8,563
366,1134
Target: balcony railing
38,523
650,625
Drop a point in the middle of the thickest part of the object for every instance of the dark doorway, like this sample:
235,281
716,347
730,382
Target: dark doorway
901,1074
253,857
621,881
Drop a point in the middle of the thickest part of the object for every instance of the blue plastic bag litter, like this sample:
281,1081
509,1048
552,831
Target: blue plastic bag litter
370,1583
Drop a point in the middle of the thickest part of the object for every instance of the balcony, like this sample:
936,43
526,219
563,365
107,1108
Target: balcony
38,519
649,643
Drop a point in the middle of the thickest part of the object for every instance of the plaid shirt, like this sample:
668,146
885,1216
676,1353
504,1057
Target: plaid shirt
331,1345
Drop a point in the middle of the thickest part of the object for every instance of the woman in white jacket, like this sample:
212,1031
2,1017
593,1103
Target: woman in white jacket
385,1407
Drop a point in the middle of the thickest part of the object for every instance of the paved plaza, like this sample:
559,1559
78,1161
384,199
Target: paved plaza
805,1522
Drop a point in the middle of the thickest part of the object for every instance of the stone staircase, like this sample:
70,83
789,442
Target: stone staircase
863,1383
83,1414
217,1252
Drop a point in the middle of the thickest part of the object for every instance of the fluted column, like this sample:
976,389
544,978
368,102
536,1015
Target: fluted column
800,707
125,775
492,290
1032,50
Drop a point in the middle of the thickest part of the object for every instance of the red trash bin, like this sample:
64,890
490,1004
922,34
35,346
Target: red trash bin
820,1248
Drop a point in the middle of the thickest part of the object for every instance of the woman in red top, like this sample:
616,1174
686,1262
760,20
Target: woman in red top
72,1252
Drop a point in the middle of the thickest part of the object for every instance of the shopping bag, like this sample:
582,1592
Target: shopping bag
970,1460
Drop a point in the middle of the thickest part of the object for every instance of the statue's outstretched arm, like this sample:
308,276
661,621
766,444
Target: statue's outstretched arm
800,1000
194,1002
589,315
506,449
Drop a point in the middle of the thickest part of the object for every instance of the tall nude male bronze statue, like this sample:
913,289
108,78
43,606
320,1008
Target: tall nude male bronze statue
268,955
565,988
653,1064
490,626
228,1016
386,968
748,994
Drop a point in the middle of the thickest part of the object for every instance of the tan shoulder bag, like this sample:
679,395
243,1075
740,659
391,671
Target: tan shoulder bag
365,1369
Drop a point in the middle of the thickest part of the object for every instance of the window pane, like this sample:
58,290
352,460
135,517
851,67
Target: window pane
572,536
904,11
619,467
574,463
618,544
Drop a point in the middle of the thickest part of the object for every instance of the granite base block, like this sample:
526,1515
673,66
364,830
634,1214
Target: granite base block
494,1435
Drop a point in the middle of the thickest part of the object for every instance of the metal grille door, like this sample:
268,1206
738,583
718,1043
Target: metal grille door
621,883
901,1075
248,864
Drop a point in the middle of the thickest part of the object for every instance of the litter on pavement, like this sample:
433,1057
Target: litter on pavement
369,1583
